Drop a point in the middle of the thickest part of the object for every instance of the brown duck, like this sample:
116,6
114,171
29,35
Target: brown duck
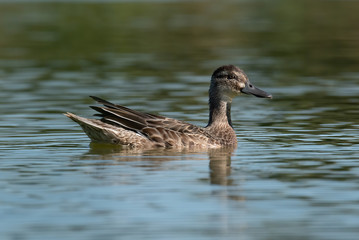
133,129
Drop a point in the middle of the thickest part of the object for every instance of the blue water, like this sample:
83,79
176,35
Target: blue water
294,175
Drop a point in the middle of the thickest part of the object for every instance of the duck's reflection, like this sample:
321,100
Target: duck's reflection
220,166
219,159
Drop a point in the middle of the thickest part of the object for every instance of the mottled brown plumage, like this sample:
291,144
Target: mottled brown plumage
133,129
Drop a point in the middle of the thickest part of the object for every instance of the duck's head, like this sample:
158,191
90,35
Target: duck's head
229,81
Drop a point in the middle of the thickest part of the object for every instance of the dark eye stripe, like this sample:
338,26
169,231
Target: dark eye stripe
228,76
231,76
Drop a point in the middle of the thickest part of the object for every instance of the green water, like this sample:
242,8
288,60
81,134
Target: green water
294,175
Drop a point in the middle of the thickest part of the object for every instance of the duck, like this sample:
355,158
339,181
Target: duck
133,129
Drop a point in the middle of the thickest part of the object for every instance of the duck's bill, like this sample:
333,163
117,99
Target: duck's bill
251,89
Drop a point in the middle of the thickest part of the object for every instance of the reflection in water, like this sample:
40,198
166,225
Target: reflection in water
219,158
220,166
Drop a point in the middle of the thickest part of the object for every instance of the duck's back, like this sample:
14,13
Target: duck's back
127,127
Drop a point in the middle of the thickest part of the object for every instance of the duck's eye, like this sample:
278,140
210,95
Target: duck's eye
231,76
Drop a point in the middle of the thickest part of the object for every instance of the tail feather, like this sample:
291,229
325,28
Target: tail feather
102,132
96,130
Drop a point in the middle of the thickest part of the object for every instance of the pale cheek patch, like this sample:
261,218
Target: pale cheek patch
237,86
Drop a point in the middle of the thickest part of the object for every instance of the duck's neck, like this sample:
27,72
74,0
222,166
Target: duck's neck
219,112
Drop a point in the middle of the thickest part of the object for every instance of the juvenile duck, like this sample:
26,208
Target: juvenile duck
133,129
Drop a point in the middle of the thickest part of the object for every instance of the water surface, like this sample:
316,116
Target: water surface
294,175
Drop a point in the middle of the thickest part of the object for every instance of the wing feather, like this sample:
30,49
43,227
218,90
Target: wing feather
162,130
124,120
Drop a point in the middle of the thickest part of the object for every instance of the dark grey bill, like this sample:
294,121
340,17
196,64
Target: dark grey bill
251,89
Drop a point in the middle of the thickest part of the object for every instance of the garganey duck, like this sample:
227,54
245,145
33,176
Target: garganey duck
133,129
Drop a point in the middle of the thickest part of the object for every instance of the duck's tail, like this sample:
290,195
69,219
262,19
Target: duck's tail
101,132
96,130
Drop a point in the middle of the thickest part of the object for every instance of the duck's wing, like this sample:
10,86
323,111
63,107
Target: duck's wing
167,131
